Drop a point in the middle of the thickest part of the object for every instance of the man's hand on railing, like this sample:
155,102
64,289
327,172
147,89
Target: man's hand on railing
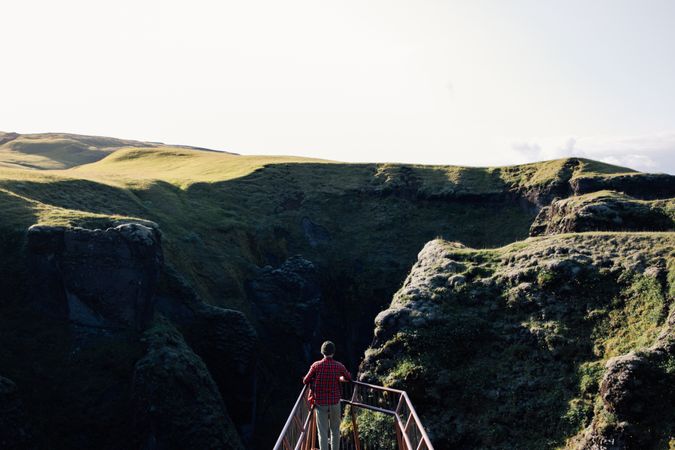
343,380
311,401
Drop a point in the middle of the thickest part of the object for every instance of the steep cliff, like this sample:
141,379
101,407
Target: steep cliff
177,404
258,260
96,278
555,341
100,298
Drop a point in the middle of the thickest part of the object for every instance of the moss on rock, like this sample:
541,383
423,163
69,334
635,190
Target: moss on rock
515,357
177,403
604,211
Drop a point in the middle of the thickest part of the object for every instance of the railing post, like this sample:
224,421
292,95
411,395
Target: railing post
355,428
311,431
399,439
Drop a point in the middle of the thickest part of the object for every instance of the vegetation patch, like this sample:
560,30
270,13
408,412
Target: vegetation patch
524,371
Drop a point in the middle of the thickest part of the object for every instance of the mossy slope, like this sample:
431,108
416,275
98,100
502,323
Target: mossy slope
506,348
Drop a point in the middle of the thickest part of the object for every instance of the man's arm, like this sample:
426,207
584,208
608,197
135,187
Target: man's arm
310,376
345,374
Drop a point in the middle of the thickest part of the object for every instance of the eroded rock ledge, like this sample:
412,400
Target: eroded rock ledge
112,284
604,211
96,278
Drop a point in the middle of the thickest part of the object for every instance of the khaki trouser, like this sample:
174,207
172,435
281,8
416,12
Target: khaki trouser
328,418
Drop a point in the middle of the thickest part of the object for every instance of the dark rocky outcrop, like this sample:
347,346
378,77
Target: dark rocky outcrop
288,300
176,402
96,278
612,437
638,185
224,339
637,395
114,280
627,388
605,211
14,431
228,344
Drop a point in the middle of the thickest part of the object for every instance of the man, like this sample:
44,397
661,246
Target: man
324,376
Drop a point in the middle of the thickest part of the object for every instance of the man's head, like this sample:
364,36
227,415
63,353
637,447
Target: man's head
328,348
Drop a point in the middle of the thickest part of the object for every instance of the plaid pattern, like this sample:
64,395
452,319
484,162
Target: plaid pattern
324,377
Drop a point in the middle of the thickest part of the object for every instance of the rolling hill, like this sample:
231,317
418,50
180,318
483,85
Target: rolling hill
278,253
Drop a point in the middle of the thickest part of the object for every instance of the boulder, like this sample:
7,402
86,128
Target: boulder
614,437
628,386
637,392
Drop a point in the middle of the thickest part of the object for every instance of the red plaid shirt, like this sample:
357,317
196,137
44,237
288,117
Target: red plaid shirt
324,377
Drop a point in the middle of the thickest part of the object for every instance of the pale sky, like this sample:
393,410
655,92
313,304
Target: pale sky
426,81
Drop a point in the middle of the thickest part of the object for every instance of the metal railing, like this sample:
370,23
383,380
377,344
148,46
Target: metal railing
300,423
299,432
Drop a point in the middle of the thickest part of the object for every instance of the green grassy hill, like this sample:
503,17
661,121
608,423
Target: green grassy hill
224,217
48,151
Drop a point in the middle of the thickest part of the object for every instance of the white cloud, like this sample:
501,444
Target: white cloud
648,153
640,162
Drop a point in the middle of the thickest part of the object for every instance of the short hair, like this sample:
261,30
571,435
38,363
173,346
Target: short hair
328,348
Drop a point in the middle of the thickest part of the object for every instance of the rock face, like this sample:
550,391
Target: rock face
557,187
223,338
96,278
114,280
638,389
607,211
515,338
627,386
314,233
228,344
432,270
14,433
288,299
638,185
177,403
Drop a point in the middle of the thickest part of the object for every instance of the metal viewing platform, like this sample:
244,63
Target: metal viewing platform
407,432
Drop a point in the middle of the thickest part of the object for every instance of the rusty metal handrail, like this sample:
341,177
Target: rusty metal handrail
296,426
423,442
425,436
